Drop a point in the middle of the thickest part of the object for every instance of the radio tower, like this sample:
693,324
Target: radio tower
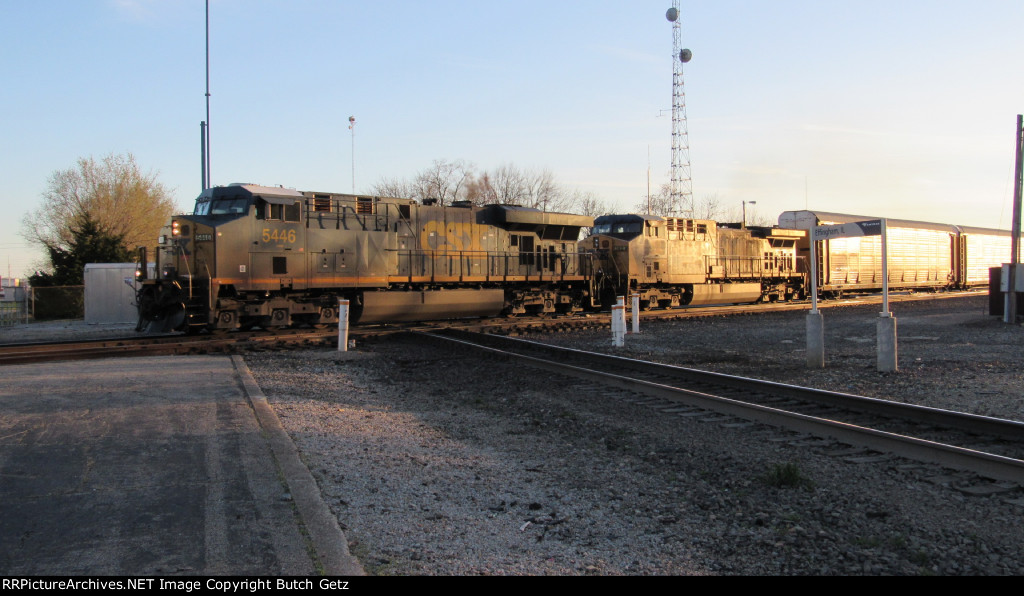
682,185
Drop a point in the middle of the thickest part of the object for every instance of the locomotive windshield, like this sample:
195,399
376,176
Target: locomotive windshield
222,207
619,229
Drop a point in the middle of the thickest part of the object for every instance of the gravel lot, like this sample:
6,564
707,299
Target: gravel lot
444,463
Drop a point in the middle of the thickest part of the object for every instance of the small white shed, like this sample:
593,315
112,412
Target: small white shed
110,293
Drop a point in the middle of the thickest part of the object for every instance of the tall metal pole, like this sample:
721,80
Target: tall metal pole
1011,294
208,175
352,127
202,153
885,268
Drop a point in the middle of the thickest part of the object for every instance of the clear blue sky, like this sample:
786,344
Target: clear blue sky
897,108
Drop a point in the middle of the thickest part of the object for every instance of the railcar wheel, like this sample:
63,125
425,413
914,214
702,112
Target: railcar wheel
278,318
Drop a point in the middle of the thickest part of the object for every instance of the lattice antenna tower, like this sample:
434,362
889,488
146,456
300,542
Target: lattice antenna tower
682,185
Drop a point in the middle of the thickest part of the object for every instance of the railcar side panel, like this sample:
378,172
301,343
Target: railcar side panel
982,250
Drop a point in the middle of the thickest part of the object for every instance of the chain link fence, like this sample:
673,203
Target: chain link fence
13,313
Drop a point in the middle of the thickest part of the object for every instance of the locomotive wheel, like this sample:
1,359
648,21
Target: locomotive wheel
277,318
225,320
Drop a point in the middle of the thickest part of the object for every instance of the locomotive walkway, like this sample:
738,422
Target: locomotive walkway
154,466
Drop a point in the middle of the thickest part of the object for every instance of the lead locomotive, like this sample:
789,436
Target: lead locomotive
252,255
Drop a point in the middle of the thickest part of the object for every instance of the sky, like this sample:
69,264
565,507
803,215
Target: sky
898,108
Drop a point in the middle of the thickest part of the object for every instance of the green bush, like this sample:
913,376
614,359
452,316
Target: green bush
59,302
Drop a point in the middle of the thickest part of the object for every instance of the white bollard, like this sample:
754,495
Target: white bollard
636,314
342,325
619,323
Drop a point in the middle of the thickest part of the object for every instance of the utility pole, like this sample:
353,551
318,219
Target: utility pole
1011,293
207,177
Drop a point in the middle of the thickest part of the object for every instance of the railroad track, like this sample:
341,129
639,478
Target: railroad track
149,345
990,447
161,345
527,324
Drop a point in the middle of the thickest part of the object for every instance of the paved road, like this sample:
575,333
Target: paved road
154,466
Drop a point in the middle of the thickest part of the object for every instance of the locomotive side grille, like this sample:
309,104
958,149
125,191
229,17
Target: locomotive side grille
322,203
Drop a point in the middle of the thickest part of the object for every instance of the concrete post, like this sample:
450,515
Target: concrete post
636,313
342,325
619,323
887,353
815,340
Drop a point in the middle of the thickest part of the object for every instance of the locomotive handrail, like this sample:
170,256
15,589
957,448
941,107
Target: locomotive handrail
571,261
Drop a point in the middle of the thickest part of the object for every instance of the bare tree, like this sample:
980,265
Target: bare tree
444,180
585,203
708,207
753,217
543,192
509,185
113,194
394,188
660,203
480,191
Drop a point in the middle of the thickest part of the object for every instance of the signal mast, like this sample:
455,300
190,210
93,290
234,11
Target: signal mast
681,190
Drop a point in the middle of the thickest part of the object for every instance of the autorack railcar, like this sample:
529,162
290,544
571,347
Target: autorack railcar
922,255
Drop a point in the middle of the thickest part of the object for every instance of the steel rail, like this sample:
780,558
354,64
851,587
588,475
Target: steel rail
603,318
147,346
973,423
985,464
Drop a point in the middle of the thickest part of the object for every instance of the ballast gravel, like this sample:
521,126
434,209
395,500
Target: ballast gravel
439,462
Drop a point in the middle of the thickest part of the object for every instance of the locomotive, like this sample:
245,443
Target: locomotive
252,255
672,262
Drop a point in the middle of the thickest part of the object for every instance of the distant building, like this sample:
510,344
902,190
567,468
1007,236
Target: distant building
13,301
12,289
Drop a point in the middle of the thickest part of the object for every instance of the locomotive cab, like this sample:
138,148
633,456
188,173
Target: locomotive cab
200,258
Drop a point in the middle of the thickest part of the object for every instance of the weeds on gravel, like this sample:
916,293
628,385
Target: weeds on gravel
787,475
